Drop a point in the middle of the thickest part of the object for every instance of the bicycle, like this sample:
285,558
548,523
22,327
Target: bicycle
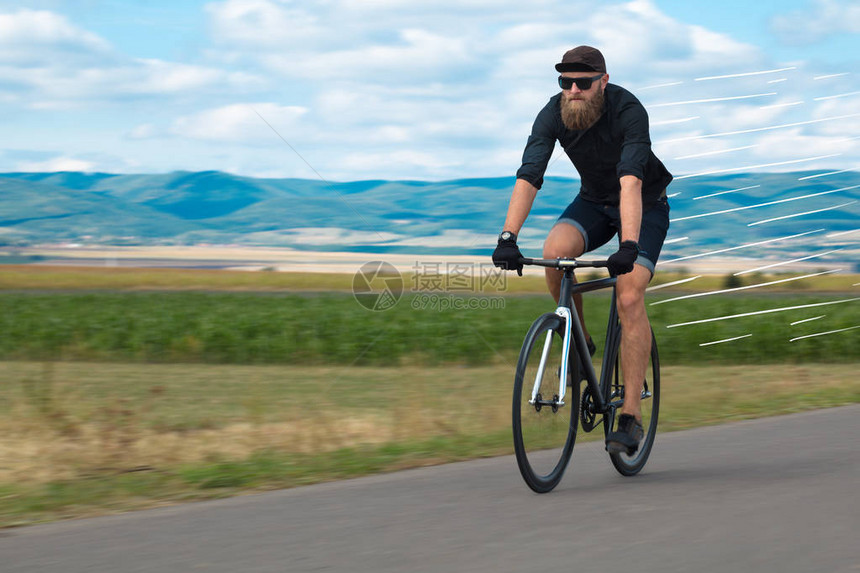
544,424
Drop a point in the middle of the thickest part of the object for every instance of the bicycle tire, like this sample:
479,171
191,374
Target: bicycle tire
543,436
625,464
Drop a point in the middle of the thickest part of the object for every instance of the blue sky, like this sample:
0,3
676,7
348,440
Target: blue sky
364,89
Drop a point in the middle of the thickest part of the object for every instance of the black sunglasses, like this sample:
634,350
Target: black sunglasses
584,84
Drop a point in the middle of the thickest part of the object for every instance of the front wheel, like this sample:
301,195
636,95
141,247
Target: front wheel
629,465
544,429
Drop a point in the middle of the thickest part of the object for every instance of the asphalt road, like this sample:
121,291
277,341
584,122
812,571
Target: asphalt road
779,494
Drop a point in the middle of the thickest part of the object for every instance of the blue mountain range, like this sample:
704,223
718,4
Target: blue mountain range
750,214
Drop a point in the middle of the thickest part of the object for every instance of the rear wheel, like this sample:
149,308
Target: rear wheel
629,465
545,430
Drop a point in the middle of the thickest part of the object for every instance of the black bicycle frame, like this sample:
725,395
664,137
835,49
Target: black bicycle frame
568,289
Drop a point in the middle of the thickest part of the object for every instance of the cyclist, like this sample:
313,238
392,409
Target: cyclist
603,129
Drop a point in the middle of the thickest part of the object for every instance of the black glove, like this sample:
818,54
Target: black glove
621,261
507,254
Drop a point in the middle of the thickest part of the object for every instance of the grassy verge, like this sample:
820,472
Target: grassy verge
93,438
51,278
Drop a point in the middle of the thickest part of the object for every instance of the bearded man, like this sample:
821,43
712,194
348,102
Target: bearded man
603,129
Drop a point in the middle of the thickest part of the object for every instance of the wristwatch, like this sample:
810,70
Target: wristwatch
507,236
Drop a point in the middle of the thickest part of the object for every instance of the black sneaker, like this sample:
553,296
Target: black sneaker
626,437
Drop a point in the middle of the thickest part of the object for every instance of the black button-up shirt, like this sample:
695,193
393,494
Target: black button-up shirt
618,144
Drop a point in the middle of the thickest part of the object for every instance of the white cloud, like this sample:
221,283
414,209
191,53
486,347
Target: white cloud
424,119
166,77
846,109
143,131
27,35
826,18
56,164
60,87
240,123
262,23
416,55
794,142
46,62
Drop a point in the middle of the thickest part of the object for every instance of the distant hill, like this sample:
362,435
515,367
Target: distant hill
448,217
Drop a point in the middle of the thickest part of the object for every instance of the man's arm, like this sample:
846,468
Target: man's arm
630,207
520,205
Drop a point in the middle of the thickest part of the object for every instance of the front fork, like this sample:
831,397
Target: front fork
563,312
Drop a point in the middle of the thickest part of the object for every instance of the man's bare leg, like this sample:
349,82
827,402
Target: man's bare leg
635,336
564,241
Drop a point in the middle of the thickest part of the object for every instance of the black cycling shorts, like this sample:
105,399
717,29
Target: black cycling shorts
598,223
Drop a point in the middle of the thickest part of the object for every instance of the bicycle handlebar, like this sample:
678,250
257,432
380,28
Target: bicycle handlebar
563,263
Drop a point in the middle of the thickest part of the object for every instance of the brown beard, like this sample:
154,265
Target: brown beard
581,114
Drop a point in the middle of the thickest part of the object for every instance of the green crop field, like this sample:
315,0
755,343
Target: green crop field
332,328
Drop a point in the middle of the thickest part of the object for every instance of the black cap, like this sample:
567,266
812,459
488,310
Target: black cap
582,59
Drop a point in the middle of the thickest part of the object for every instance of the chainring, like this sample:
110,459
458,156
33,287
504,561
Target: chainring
587,416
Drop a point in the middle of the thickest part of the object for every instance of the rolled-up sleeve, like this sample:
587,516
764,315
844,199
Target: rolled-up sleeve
539,148
636,143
